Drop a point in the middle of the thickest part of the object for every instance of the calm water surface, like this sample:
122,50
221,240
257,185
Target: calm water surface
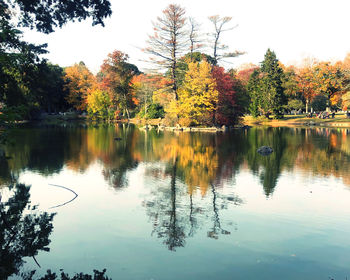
178,205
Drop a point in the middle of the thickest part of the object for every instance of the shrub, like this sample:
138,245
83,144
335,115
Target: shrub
155,111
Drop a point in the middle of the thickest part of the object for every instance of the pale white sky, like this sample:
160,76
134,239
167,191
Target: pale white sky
293,29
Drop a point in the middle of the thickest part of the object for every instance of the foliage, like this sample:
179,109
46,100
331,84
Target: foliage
155,111
266,88
306,84
147,90
25,78
198,94
346,101
100,105
254,93
295,104
227,111
78,81
319,103
45,15
98,275
115,77
21,235
328,81
244,74
289,82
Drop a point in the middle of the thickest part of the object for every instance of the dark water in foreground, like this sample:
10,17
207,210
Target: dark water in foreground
179,205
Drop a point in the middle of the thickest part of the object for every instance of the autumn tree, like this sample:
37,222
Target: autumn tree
198,95
227,111
244,73
99,105
219,24
144,85
345,68
115,77
78,81
161,95
328,81
306,85
169,42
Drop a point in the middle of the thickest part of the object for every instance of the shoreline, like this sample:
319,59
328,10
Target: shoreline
246,122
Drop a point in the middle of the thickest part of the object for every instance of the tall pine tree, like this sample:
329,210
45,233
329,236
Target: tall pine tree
266,88
272,90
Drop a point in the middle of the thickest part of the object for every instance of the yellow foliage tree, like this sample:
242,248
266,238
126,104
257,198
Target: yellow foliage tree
99,105
79,80
198,95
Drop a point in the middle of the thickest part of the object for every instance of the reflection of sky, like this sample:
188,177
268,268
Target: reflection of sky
300,232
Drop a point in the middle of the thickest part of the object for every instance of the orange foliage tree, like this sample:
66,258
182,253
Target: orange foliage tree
306,84
78,81
328,81
115,77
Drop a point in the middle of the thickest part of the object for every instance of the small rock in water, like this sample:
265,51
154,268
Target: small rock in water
265,150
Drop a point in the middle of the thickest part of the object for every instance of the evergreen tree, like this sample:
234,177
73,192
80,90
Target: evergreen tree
265,88
254,93
272,90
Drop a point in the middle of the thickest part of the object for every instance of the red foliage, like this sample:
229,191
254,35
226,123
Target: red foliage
244,75
226,113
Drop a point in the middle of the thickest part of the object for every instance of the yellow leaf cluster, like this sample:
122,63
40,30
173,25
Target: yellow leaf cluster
198,94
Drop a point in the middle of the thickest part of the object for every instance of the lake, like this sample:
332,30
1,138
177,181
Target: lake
177,205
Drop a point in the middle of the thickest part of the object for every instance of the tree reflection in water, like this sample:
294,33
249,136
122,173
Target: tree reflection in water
192,165
22,234
174,214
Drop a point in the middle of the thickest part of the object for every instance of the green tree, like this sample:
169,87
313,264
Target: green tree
253,88
22,234
266,88
319,103
45,15
273,91
18,59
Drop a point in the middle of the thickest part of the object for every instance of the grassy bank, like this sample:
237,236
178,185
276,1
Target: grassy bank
339,120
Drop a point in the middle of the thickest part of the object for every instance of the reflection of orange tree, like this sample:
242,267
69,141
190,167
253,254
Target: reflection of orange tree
331,158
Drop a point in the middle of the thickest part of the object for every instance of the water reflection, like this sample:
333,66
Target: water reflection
185,166
23,231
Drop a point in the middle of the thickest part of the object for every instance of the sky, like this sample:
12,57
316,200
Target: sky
293,29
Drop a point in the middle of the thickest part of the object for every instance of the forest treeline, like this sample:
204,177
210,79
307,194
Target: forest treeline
190,87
